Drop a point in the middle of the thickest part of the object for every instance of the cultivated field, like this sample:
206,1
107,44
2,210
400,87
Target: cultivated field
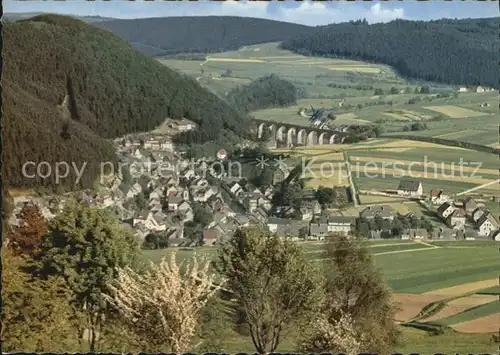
380,164
421,274
455,111
330,83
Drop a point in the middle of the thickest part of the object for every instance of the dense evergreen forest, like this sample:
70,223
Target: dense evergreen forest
171,35
69,86
265,92
451,51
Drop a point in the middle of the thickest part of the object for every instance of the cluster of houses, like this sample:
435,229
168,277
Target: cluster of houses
466,215
475,89
159,196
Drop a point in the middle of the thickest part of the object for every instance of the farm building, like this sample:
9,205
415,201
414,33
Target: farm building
384,211
341,224
469,205
462,89
456,220
182,125
287,227
411,188
210,237
480,89
438,197
318,230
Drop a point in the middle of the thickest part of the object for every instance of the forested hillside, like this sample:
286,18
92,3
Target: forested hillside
450,51
67,86
200,34
265,92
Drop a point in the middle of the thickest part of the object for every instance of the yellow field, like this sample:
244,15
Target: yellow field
407,115
465,288
329,176
455,111
355,69
408,144
380,144
473,300
447,167
394,150
236,60
381,172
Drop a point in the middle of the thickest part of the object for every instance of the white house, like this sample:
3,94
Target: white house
487,224
137,153
445,210
462,89
134,190
456,220
480,89
438,197
273,223
172,190
174,202
478,212
149,221
184,206
188,174
340,224
235,188
156,193
410,188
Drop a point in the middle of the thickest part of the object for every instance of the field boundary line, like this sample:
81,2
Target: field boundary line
478,187
429,245
406,251
390,252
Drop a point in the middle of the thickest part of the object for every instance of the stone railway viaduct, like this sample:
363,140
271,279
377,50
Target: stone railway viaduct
292,134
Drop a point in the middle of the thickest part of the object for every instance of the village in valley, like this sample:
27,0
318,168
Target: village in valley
169,201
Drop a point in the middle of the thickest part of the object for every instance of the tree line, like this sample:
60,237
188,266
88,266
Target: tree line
207,34
266,92
455,52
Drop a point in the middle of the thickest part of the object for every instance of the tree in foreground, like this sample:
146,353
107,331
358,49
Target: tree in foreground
356,296
271,280
164,304
86,246
36,314
28,237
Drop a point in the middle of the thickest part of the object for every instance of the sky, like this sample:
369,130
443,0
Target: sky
302,12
